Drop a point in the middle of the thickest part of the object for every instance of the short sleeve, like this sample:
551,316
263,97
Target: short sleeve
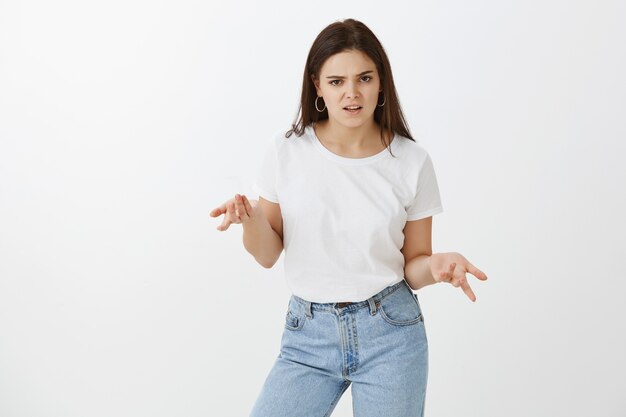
427,201
265,181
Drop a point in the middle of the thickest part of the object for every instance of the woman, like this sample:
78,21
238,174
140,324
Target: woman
356,195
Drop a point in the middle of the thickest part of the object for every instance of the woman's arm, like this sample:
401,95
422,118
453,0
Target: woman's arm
417,250
422,267
262,235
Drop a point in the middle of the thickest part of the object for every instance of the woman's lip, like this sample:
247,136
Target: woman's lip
353,112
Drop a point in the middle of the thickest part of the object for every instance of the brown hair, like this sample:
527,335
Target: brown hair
341,36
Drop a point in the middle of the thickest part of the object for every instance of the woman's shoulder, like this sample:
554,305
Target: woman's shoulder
412,147
286,138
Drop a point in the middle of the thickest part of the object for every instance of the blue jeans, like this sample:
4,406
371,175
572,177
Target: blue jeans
378,345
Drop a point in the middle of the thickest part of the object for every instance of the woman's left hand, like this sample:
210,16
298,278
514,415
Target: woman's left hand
451,267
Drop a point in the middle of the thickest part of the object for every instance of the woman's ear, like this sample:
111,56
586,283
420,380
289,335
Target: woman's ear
316,84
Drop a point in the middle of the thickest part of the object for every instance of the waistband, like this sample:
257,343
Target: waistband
372,302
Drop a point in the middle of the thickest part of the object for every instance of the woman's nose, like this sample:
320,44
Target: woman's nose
352,89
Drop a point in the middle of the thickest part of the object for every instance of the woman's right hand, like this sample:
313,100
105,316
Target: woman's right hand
237,210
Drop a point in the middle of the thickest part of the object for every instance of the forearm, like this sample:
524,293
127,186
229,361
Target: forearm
417,272
261,241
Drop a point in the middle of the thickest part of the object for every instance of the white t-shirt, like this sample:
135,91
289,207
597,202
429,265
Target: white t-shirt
343,217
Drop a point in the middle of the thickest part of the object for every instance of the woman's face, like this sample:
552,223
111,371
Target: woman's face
347,79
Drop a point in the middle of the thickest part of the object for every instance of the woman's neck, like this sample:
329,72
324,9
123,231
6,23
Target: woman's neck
348,137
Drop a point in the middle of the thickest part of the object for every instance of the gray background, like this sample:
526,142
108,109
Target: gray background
123,123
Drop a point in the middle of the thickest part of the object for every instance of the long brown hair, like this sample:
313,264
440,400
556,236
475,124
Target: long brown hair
341,36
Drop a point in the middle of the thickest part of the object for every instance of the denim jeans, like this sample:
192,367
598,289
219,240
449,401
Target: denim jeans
378,345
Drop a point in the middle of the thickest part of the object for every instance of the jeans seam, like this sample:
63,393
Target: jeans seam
400,323
342,389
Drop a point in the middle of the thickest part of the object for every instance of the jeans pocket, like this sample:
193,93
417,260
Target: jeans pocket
293,320
401,308
417,301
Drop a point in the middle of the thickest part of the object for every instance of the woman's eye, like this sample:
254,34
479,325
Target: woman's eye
331,82
367,76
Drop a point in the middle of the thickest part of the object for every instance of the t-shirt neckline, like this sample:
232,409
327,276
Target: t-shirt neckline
345,160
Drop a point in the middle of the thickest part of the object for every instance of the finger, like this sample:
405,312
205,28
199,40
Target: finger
224,225
459,277
450,273
444,276
451,269
217,211
247,204
236,203
232,213
476,272
461,280
240,208
454,282
468,290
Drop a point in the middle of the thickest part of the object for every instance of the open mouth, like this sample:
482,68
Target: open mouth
353,109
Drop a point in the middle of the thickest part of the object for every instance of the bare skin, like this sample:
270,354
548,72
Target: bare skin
237,210
451,267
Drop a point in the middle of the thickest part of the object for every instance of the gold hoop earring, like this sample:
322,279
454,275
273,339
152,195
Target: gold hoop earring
316,108
384,100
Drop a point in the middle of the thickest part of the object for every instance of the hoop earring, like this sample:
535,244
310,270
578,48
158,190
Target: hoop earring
316,108
384,100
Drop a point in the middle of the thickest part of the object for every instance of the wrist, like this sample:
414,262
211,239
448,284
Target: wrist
418,273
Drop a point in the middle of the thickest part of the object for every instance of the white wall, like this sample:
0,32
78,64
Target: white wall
123,123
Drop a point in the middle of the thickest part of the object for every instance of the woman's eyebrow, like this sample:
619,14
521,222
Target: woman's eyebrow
358,75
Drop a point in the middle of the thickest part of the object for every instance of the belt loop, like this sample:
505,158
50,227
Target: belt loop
372,306
307,309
